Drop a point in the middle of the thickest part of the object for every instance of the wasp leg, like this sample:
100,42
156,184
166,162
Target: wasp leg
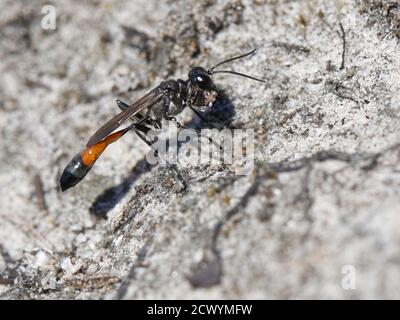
173,119
122,105
156,123
179,125
201,117
142,131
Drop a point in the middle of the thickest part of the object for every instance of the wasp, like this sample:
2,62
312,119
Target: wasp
165,101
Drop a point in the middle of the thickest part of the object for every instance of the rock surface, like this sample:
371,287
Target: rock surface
321,204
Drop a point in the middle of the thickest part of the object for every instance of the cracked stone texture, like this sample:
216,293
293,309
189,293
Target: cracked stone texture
324,192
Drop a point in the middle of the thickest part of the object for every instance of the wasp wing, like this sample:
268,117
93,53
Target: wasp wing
144,102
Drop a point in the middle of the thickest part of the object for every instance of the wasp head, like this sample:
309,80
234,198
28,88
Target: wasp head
199,76
204,91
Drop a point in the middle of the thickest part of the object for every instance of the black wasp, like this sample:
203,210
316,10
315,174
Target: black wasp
165,101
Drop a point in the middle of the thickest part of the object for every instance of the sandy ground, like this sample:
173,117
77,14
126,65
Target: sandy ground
317,217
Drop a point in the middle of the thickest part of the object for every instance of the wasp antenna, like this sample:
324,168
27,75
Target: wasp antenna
240,74
210,71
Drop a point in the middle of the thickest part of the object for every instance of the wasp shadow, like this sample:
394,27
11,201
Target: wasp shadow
220,116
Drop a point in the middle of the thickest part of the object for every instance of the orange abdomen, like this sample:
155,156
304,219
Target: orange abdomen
90,155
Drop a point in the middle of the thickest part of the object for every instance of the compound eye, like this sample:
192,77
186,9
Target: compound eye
203,82
200,80
196,79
